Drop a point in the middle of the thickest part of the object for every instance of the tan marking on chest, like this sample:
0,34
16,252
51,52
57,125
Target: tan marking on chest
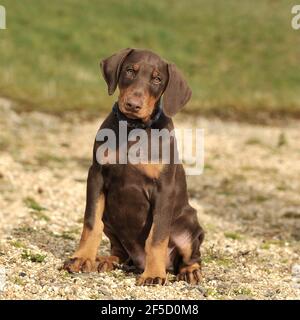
150,170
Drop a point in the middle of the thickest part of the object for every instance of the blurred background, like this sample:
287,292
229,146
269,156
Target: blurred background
241,58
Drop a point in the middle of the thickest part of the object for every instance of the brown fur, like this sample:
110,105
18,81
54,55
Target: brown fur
147,106
147,216
156,258
105,264
152,171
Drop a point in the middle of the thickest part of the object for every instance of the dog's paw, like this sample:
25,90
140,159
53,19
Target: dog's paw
150,281
78,264
190,274
105,264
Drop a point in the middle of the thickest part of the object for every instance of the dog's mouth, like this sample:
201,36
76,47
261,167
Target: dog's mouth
131,111
130,114
137,107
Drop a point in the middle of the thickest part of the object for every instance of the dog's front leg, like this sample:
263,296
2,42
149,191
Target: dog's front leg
84,257
156,245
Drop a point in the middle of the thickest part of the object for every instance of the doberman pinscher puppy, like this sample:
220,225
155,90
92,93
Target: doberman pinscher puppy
143,208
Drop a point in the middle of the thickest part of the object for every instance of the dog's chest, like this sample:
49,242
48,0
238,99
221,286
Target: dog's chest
140,177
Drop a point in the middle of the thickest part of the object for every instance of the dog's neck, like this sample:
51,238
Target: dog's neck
138,123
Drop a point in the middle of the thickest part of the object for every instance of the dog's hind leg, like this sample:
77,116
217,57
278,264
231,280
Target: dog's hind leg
187,235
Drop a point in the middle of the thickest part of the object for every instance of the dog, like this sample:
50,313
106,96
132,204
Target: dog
142,208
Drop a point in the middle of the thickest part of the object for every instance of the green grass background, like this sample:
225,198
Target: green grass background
240,57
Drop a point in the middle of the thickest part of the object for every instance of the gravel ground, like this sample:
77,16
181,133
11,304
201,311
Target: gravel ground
247,198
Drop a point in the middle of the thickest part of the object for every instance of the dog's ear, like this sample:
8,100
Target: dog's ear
111,68
177,92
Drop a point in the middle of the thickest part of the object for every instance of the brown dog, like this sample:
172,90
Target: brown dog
143,208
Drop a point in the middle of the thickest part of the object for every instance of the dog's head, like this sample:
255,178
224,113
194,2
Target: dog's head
143,77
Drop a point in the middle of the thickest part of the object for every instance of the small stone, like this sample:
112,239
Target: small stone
40,190
104,292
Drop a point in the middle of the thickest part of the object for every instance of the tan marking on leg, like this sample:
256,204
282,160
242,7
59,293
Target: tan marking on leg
188,272
107,263
84,257
186,253
90,239
190,268
156,260
183,242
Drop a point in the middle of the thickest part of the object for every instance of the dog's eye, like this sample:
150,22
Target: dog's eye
157,80
130,72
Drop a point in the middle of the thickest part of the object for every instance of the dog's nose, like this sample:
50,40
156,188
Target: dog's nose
133,105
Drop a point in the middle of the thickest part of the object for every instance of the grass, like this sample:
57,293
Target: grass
18,281
18,244
67,235
241,58
254,141
44,159
243,291
24,229
232,235
33,204
37,209
40,215
282,140
266,245
33,257
215,256
259,198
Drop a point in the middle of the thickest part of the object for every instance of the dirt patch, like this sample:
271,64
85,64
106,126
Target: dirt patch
247,199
